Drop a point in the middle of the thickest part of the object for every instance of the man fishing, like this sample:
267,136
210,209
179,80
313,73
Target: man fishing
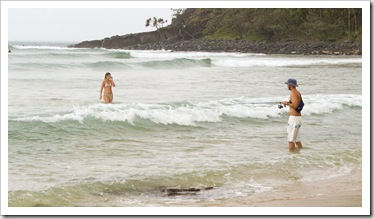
296,104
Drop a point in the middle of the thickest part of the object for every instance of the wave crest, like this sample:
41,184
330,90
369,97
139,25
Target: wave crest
180,62
119,55
189,114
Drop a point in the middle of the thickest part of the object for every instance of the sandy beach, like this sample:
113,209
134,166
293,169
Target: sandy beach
341,191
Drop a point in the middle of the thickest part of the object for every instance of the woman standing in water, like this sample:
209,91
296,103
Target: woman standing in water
107,85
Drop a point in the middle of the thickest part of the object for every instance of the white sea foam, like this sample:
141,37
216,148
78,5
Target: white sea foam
322,104
173,55
191,113
283,61
245,59
44,47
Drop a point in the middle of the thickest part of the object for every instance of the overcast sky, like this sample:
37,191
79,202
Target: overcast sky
79,24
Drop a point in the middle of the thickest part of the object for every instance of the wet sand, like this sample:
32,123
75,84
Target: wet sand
349,199
339,191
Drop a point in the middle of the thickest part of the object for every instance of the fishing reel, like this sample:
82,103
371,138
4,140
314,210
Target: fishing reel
280,106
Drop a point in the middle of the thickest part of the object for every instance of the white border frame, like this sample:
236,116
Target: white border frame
364,210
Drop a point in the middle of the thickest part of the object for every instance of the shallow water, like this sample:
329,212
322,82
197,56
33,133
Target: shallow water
179,120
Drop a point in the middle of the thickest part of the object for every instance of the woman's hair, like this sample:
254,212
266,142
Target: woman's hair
106,74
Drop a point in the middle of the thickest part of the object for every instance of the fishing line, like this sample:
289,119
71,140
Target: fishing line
280,106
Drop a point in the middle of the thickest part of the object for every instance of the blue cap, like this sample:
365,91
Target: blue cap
291,81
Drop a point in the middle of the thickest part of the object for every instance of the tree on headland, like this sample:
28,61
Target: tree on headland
156,22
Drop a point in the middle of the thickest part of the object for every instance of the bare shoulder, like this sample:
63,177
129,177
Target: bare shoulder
296,92
299,94
295,95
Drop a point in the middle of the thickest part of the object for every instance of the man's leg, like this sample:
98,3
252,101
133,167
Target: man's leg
291,145
299,144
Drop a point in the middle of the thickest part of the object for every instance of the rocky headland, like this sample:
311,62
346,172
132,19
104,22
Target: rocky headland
173,40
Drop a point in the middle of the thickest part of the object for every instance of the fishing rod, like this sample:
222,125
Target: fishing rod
280,105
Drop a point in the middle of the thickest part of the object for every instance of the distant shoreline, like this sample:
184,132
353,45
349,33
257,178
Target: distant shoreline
241,46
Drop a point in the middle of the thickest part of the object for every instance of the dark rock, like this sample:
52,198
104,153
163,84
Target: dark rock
183,192
171,39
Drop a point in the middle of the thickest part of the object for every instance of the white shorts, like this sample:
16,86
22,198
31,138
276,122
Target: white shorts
293,129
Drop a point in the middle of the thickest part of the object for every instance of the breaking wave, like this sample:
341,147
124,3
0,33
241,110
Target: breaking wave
189,114
182,62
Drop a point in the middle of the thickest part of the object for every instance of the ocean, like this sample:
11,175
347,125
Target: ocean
198,121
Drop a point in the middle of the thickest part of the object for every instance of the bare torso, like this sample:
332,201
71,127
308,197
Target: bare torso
107,85
295,99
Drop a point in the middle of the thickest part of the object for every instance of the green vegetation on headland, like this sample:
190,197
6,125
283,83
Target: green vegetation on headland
250,30
271,24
